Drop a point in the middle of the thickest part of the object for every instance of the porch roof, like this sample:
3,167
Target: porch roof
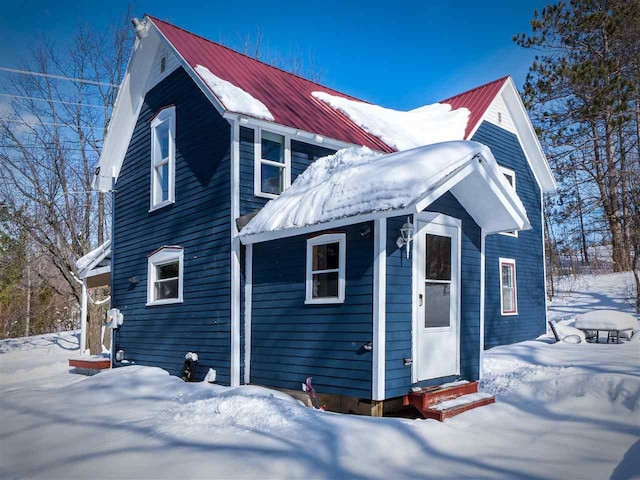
95,266
357,184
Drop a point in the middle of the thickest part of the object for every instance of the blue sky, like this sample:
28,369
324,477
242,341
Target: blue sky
397,54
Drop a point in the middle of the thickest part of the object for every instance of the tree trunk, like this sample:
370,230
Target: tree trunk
28,312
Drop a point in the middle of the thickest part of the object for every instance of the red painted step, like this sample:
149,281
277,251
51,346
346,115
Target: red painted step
427,400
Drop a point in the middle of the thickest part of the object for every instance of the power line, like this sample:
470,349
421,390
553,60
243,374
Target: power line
51,100
47,147
59,77
31,124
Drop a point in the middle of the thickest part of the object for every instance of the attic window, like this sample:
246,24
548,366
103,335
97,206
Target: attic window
272,164
510,175
499,117
163,158
163,64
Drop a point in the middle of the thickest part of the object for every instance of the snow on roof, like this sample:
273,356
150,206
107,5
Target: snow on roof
357,181
232,97
93,257
403,130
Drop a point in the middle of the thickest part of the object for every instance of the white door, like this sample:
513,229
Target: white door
437,250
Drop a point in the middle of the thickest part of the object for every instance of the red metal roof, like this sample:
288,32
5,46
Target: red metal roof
477,100
288,96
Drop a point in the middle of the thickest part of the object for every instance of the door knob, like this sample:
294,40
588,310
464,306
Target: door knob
420,299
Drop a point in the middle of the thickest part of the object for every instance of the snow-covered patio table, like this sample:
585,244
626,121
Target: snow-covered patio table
611,321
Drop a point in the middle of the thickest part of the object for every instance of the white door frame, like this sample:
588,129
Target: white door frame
446,220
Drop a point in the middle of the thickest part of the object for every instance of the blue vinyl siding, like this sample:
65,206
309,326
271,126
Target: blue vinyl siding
399,301
302,155
291,341
526,250
199,221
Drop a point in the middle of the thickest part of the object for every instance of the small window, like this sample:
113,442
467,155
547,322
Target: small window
272,175
325,281
163,64
508,288
163,162
510,175
165,276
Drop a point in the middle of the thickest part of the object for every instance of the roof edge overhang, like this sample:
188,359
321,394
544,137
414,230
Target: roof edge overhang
500,211
526,135
89,270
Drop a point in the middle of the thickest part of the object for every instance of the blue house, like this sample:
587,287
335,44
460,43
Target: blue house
280,229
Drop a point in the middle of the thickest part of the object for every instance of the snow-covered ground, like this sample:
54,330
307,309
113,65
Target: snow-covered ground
563,411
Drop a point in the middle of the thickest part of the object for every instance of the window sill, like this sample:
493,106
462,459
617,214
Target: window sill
168,301
509,314
270,196
161,205
323,301
507,234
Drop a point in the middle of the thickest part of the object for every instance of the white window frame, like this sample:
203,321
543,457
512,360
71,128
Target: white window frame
259,161
341,240
512,263
167,114
507,172
162,257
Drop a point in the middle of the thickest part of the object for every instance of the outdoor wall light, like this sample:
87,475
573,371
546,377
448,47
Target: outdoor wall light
406,235
365,231
119,355
134,280
140,28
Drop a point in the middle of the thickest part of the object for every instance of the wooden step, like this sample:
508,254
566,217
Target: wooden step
89,365
476,400
426,397
439,402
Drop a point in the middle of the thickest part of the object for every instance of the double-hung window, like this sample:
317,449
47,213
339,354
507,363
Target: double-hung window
165,276
510,175
272,165
325,282
163,158
508,288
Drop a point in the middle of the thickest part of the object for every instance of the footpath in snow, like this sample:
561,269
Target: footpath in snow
562,411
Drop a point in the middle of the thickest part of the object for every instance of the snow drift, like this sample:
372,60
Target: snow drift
403,130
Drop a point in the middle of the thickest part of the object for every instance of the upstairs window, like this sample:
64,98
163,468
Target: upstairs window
510,175
272,166
163,158
508,289
165,276
325,281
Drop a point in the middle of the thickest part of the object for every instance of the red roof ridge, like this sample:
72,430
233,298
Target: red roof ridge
501,79
324,87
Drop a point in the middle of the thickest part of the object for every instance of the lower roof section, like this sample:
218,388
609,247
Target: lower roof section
357,184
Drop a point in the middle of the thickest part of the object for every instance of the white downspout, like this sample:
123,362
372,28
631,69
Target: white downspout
83,318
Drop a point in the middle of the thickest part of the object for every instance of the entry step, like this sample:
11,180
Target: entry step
447,400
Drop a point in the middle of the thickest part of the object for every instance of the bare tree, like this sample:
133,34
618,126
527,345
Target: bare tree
50,138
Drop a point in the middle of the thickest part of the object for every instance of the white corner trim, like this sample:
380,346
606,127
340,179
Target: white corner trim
544,257
414,309
379,308
235,255
83,317
341,240
248,292
483,242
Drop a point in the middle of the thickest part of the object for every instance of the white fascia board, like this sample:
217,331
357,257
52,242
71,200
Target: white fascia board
528,138
290,132
318,227
126,110
526,135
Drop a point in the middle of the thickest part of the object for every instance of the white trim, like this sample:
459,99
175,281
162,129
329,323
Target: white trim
235,255
294,133
248,292
161,257
525,133
508,172
83,317
512,263
341,240
414,310
544,257
94,272
164,115
258,161
483,243
379,309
